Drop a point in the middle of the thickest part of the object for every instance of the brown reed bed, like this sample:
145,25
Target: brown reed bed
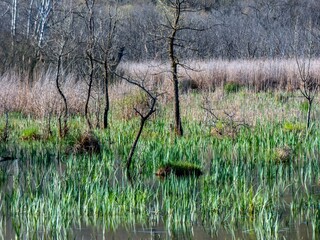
207,78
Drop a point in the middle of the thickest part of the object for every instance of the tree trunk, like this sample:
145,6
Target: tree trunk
133,148
63,130
86,110
177,116
174,70
309,112
90,55
106,88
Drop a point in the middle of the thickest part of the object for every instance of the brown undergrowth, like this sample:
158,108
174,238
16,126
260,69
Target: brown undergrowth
41,98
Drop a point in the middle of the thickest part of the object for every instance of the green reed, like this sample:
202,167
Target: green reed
244,188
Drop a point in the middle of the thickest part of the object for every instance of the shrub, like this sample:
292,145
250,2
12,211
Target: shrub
232,87
225,128
187,85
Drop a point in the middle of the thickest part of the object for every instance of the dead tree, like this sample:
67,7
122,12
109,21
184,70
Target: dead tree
90,4
63,128
174,13
111,53
58,52
110,65
144,116
309,86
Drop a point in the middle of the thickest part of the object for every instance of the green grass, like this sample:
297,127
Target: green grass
232,87
243,186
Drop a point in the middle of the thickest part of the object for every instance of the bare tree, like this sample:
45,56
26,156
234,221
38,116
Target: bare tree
111,53
90,22
309,86
59,50
144,116
62,129
175,11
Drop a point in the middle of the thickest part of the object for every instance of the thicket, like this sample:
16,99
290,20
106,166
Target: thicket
234,29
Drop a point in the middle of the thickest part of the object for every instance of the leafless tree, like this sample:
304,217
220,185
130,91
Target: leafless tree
144,115
309,86
175,11
111,53
90,23
59,49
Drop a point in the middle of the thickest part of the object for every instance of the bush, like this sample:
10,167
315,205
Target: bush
87,143
187,85
232,87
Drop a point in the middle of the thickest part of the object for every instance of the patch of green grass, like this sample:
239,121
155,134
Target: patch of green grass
31,133
293,127
281,98
232,87
304,106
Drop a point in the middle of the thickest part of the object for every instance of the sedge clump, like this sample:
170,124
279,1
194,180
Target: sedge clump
87,143
180,169
283,154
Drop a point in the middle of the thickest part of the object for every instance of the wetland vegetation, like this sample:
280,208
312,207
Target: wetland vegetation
162,119
261,181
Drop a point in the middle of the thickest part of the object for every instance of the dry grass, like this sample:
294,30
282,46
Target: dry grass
255,75
283,154
88,143
40,99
